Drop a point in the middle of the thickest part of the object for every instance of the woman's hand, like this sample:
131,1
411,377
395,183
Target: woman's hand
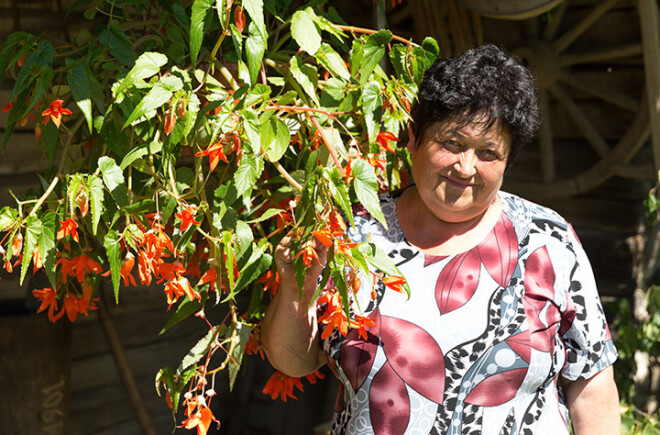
284,262
593,404
289,331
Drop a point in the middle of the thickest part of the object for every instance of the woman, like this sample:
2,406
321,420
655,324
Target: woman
503,331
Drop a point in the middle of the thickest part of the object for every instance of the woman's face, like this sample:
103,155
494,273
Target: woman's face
459,169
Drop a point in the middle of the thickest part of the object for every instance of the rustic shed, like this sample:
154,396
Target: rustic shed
594,163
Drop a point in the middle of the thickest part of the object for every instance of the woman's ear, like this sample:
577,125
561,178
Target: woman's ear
411,140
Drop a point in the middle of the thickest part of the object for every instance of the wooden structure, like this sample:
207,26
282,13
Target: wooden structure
594,162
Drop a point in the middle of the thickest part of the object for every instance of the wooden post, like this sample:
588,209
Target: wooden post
648,19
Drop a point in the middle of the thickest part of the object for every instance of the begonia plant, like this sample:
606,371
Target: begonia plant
185,140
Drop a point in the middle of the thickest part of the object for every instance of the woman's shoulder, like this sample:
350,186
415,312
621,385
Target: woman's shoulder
523,210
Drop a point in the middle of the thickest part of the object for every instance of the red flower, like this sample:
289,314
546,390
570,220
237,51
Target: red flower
215,153
55,112
281,385
384,138
68,227
394,282
239,18
309,253
48,298
7,107
187,217
271,281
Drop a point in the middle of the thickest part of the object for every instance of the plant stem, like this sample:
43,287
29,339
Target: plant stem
287,176
353,29
44,196
304,109
326,141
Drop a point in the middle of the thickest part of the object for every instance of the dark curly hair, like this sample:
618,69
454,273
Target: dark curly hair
484,84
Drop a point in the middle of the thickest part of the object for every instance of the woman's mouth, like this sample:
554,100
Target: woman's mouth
457,183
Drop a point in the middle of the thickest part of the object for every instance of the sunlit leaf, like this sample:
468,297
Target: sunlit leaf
198,21
32,233
80,89
157,96
305,32
147,65
274,138
46,244
113,252
366,188
198,350
306,76
255,47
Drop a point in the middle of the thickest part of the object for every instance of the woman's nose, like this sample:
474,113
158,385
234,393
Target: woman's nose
465,165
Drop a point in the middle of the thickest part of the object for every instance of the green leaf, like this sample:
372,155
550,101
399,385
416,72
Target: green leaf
95,188
139,152
374,50
47,245
244,234
255,9
339,192
332,61
8,218
248,173
10,47
256,265
240,339
252,131
365,184
147,65
185,309
118,44
264,216
113,251
32,233
306,76
223,12
113,178
275,137
157,96
255,47
80,89
198,21
305,32
198,350
371,102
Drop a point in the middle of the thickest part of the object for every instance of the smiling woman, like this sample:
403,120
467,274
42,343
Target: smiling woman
503,302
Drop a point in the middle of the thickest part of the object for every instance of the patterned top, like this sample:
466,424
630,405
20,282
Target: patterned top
479,345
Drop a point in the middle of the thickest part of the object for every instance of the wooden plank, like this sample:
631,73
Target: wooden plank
648,18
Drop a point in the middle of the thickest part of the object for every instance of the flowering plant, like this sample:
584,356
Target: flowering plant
185,142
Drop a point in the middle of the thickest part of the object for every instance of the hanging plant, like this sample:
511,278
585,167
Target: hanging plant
185,142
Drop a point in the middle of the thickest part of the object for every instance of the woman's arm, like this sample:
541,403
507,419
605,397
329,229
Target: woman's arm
289,332
593,404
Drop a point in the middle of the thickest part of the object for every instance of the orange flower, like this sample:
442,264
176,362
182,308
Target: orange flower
180,287
7,107
170,121
336,221
17,244
127,269
187,217
271,281
200,420
210,276
37,261
313,377
309,253
170,271
55,112
239,18
281,385
324,236
48,298
71,306
215,153
85,302
334,315
361,323
252,347
384,138
68,227
394,282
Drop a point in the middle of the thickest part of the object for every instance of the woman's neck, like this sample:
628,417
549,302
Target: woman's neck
434,236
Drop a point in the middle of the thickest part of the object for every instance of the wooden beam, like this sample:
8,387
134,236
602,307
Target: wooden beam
648,18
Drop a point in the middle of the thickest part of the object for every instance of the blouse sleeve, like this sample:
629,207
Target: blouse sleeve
589,347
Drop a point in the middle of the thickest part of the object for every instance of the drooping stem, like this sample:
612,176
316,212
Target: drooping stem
287,176
326,141
353,29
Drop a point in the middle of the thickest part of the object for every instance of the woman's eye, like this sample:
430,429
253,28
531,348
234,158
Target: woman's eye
453,146
487,155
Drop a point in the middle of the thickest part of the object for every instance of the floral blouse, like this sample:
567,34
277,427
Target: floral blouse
480,344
